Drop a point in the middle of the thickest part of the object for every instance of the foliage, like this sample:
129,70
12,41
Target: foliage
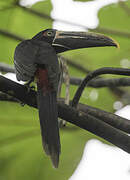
21,155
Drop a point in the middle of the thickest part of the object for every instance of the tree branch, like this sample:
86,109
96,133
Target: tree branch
96,83
6,68
109,118
79,118
6,97
11,35
18,91
102,82
111,31
99,29
45,16
94,125
93,74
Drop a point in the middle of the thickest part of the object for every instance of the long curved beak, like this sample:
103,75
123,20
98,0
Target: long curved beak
65,40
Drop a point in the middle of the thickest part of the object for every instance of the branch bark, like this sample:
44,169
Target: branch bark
72,115
102,82
5,68
95,83
93,74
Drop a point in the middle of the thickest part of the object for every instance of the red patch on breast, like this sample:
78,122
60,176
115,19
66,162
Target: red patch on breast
42,80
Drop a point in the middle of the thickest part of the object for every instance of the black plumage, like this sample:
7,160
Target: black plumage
36,58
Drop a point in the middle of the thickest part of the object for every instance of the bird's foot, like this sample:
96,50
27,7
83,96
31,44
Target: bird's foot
22,104
62,123
27,85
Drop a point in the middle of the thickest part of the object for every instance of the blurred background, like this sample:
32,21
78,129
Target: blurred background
21,154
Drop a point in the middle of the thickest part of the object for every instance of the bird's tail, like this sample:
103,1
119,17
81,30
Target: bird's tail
47,105
48,115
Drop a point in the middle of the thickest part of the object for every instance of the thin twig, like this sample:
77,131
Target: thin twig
111,31
99,29
117,91
6,68
95,83
7,7
122,94
93,74
102,82
45,16
11,35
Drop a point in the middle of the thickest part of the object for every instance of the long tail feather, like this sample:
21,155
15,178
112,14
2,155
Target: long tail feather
47,105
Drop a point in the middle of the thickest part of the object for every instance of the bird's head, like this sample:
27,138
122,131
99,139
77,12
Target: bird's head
67,40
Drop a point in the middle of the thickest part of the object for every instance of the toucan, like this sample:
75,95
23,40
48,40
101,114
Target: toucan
36,60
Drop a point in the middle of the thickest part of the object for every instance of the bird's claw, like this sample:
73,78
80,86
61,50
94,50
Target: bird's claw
62,123
30,88
27,85
22,104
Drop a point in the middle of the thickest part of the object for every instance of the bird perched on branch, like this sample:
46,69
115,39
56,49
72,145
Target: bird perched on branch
36,58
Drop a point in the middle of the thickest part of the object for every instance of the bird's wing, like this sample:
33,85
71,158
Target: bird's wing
24,60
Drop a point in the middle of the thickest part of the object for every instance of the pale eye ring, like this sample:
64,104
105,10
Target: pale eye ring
49,33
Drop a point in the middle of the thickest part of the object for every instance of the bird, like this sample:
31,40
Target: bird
36,60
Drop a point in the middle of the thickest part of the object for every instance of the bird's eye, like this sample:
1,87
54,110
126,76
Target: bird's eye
49,33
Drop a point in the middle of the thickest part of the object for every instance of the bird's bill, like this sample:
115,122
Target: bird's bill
65,41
